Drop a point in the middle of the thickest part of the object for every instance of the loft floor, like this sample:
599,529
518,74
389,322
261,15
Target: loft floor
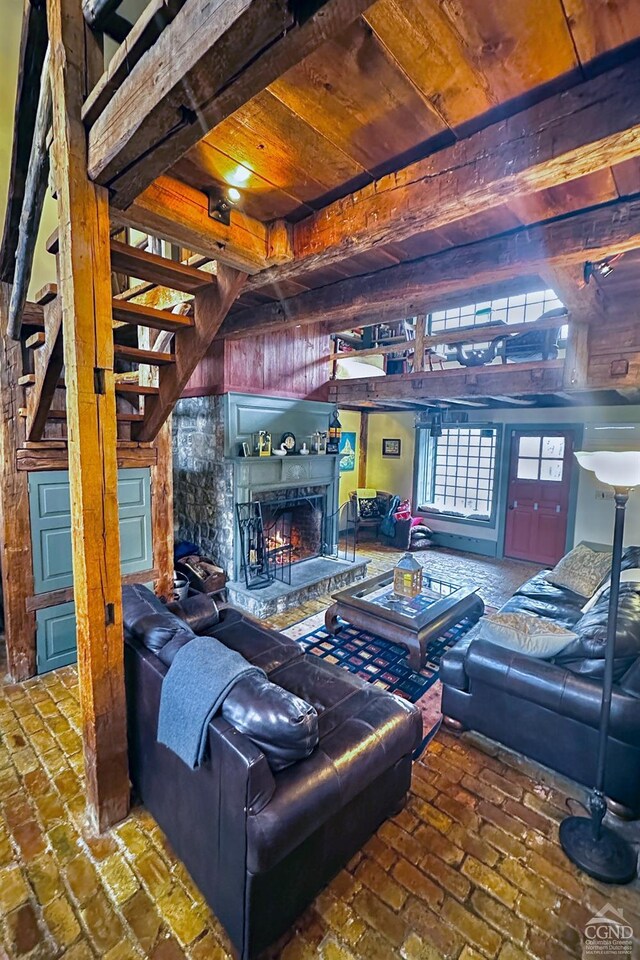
471,868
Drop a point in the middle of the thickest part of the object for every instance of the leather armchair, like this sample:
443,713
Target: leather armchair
260,843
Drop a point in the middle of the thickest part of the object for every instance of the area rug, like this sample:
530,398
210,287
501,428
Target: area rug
383,663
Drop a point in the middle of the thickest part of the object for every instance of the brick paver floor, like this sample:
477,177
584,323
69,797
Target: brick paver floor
471,868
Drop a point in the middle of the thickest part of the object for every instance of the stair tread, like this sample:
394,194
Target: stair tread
140,315
124,311
120,417
137,355
136,389
35,340
158,270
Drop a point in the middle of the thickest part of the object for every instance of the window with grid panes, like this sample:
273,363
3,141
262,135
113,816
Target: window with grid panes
462,472
521,308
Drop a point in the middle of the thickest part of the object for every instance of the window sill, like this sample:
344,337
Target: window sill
489,523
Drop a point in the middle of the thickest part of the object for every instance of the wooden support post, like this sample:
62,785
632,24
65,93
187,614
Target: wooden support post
576,360
15,525
85,289
418,356
363,443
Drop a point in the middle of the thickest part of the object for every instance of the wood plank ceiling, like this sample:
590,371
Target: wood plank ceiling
406,79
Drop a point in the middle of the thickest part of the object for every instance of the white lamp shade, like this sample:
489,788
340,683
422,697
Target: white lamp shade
617,468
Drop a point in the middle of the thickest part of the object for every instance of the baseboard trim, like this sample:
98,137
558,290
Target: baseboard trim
454,541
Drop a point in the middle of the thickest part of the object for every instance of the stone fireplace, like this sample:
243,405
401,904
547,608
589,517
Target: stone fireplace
299,495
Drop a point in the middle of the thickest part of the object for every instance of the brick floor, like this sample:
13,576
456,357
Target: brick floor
470,868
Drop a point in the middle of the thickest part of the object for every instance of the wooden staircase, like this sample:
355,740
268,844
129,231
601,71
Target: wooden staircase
142,407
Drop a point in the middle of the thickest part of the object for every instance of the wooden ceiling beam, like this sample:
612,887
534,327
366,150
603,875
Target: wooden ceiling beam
585,302
175,211
520,379
210,60
567,136
410,288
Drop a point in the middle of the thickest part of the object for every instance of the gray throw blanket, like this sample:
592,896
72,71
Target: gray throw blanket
200,677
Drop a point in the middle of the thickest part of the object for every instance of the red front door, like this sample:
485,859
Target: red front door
538,495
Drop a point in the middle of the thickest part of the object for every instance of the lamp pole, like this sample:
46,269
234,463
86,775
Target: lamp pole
594,848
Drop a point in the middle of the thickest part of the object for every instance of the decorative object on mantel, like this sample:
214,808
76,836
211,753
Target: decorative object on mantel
335,432
407,577
245,450
262,443
288,441
599,851
280,451
304,450
391,447
319,443
253,553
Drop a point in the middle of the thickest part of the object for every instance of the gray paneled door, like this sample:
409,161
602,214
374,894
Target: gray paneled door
52,559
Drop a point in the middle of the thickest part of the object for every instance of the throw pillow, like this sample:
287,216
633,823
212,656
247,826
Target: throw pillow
368,507
534,636
581,570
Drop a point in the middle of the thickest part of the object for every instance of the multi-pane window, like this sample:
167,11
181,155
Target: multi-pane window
540,458
462,469
522,308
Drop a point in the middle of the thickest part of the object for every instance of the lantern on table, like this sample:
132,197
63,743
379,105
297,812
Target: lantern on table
407,577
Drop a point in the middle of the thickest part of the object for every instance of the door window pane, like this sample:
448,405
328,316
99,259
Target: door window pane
553,447
551,470
527,469
529,447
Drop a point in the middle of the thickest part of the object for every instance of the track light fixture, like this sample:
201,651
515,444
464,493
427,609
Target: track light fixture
221,202
600,267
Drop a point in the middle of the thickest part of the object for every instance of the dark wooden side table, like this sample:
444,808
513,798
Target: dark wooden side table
413,623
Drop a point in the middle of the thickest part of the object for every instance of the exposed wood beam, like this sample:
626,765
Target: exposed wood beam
212,58
410,288
146,30
85,290
565,137
362,449
585,302
33,46
177,212
211,307
472,294
97,12
544,376
16,562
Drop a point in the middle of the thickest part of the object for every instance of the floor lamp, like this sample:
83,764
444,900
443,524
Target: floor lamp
596,849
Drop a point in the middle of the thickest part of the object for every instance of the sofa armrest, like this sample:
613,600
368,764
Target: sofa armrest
452,665
243,768
552,687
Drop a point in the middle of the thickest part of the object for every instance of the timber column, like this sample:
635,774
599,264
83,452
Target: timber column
84,280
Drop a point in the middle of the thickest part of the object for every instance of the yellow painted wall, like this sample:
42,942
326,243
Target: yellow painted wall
44,267
388,473
350,420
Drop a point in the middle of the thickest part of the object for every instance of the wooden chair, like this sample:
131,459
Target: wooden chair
361,522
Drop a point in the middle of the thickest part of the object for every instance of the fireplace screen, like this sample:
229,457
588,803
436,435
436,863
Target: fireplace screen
275,534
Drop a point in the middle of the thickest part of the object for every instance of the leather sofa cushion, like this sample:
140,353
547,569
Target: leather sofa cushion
363,732
543,599
283,725
147,619
630,682
199,611
262,647
585,655
631,558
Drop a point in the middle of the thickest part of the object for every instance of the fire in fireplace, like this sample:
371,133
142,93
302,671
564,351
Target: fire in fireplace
293,528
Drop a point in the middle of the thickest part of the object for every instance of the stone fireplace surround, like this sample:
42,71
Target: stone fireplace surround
210,478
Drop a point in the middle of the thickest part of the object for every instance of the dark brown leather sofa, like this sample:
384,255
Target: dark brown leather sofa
550,711
260,844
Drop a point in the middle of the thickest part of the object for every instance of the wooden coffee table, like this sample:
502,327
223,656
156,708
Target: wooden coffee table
372,605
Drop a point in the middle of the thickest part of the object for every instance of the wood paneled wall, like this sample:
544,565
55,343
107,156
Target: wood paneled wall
292,363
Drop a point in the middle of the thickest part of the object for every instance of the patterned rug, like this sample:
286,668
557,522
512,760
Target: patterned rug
383,663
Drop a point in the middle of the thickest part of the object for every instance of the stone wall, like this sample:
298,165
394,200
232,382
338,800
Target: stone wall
203,480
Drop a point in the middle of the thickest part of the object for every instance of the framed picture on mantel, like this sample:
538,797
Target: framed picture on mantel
391,447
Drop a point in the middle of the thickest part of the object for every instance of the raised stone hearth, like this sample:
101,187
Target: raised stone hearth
308,580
